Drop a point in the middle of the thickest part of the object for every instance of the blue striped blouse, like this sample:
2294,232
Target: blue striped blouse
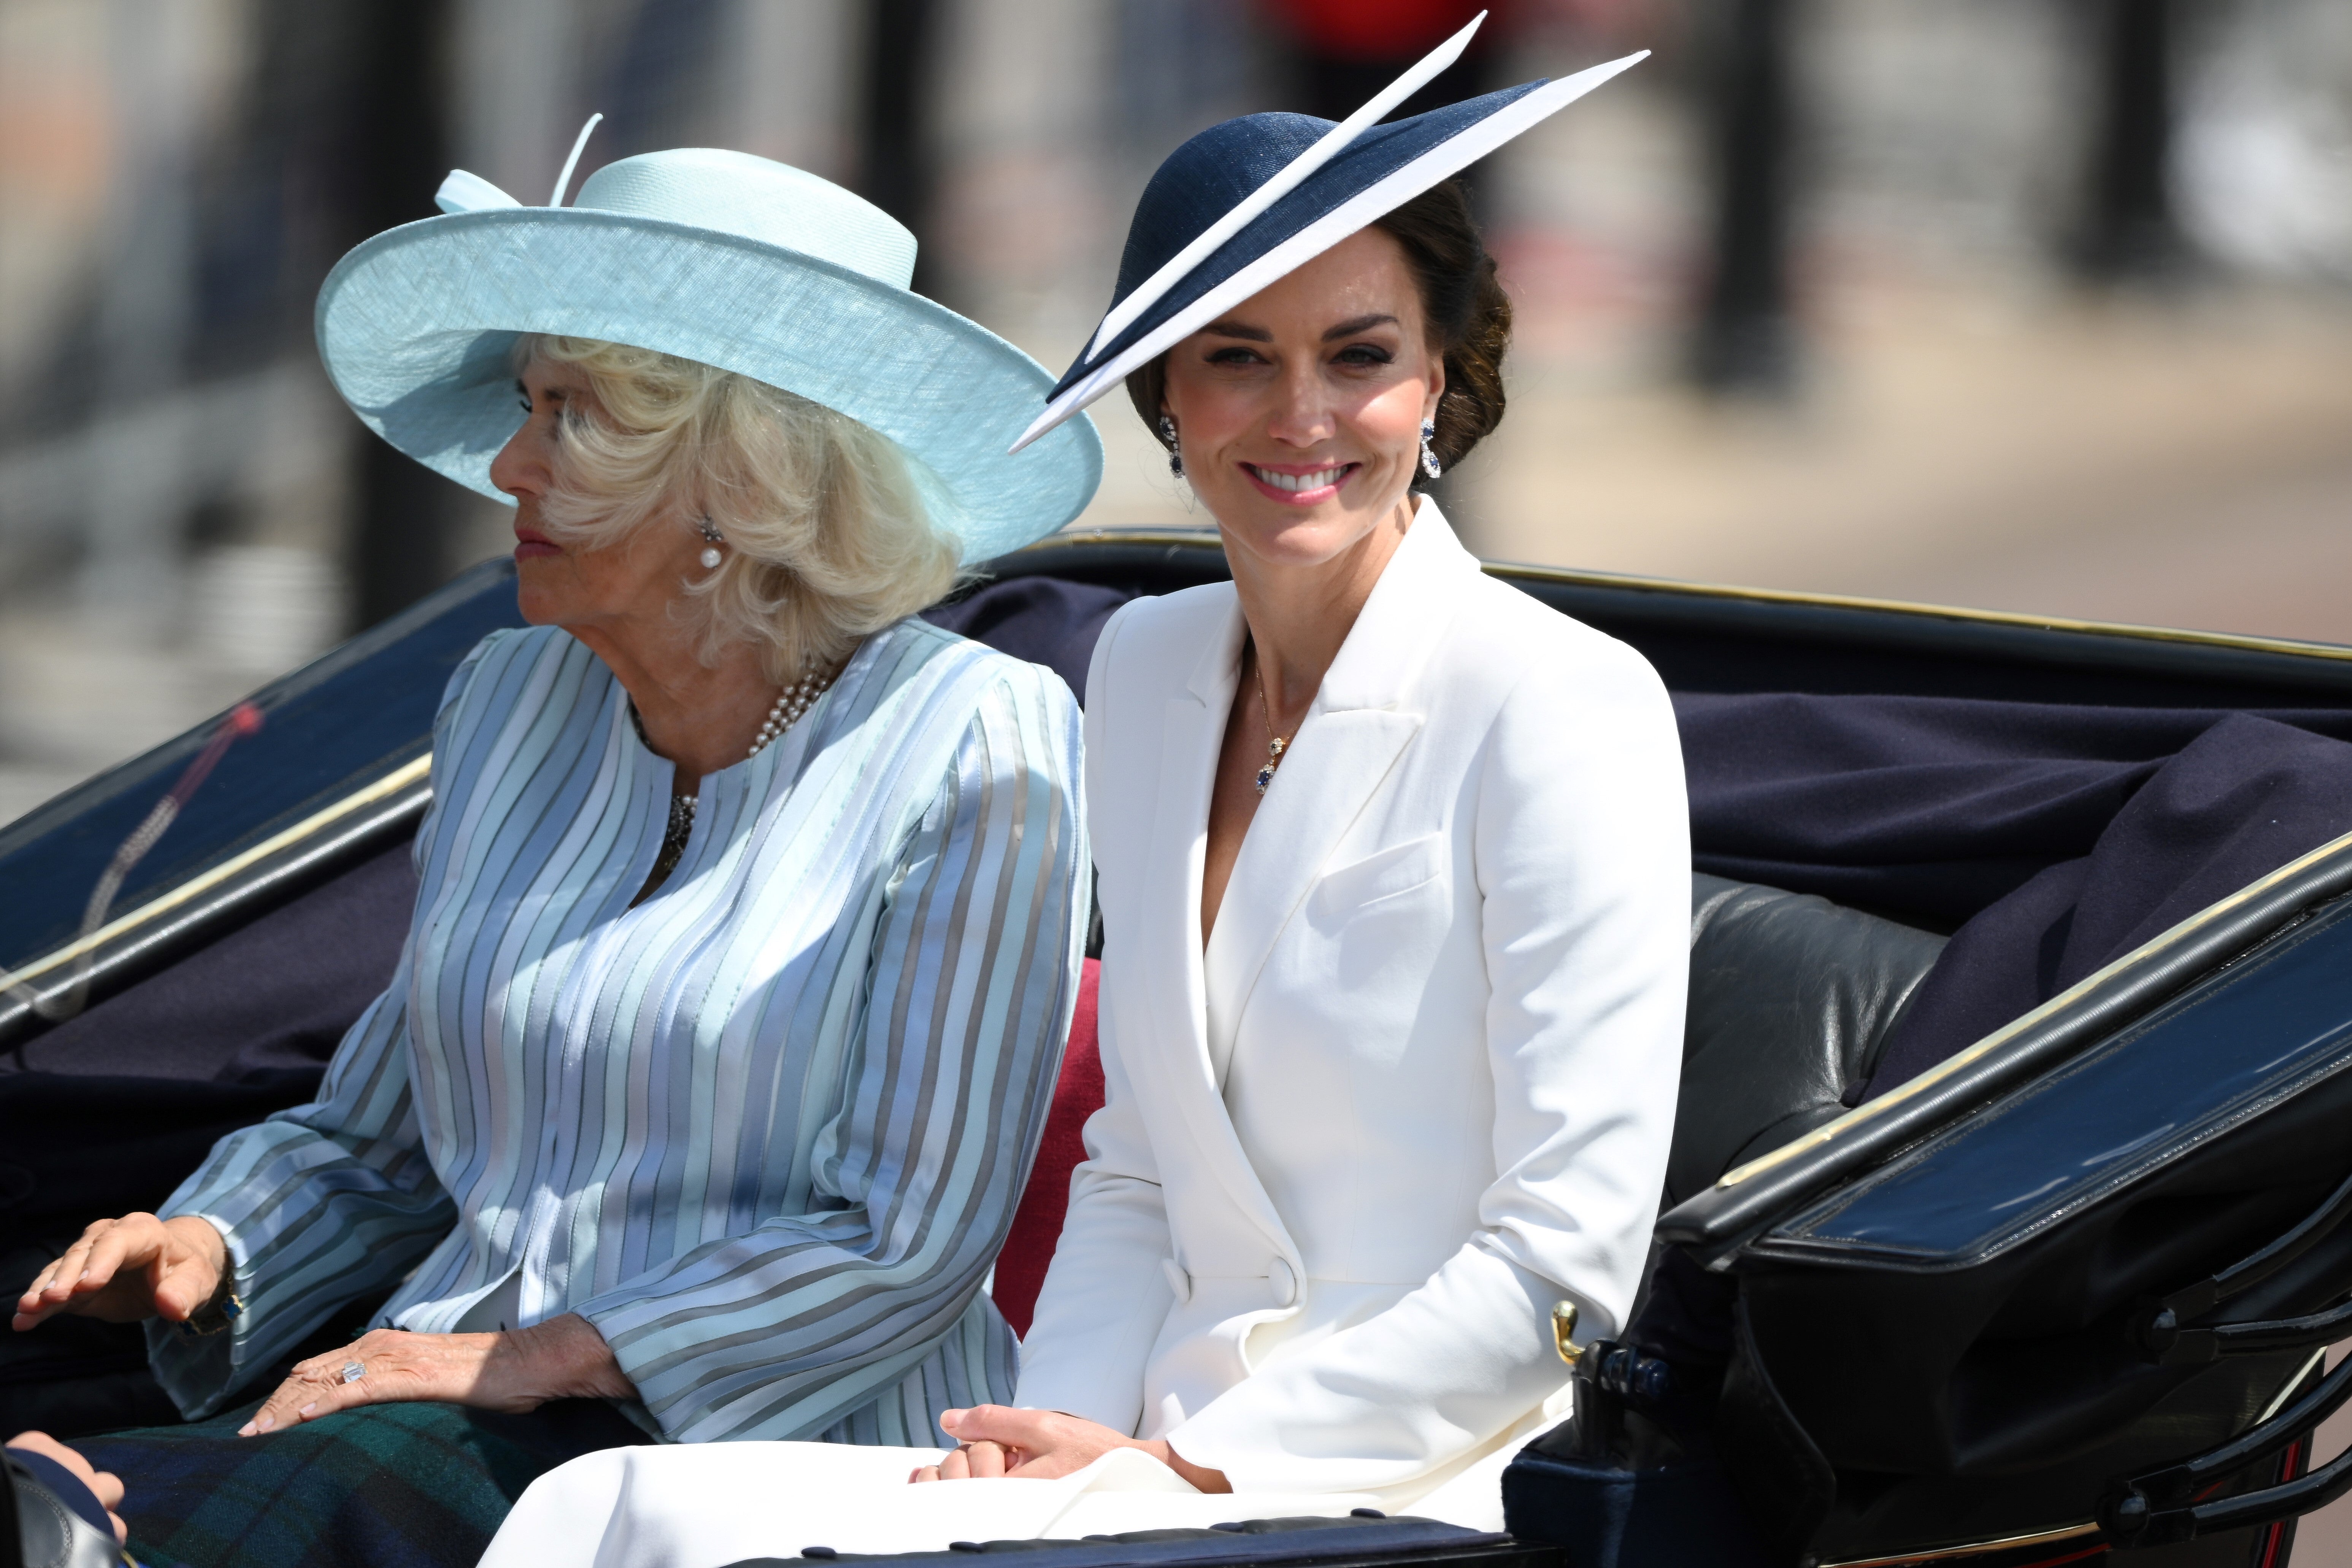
765,1131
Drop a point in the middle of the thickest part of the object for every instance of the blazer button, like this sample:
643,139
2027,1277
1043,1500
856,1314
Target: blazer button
1178,1280
1285,1281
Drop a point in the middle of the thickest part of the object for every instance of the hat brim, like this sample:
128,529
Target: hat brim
417,324
1386,167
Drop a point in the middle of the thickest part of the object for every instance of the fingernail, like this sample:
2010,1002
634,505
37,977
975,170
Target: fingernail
266,1422
82,1276
247,1430
309,1409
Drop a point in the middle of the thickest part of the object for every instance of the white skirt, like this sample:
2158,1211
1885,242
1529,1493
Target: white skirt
705,1505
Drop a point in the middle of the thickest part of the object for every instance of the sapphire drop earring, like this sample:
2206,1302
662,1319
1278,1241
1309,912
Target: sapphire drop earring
1429,463
1168,439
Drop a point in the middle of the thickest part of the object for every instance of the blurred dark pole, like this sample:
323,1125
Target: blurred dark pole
396,152
897,172
1747,340
2129,232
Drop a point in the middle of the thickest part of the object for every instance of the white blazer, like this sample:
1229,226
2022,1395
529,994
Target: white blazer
1421,1086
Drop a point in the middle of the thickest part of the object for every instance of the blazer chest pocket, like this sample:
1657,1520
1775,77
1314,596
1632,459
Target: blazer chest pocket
1382,879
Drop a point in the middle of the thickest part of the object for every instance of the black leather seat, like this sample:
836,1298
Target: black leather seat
1792,998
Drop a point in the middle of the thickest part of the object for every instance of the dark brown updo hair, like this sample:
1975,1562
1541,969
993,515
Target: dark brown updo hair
1469,320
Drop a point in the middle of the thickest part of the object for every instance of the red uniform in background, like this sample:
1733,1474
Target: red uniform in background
1343,51
1378,29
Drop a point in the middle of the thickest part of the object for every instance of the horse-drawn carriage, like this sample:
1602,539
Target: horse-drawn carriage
1991,1236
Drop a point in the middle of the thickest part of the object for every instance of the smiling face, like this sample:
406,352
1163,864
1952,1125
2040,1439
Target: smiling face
572,585
1298,412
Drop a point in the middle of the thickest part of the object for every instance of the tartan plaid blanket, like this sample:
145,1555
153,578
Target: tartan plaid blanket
387,1486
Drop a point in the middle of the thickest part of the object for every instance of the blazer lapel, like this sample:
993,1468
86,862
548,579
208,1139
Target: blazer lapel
1192,728
1359,725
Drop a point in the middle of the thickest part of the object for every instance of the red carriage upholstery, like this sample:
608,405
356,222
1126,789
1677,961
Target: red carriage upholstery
1037,1223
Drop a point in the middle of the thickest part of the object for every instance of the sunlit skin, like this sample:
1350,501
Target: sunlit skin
136,1267
1000,1440
1328,374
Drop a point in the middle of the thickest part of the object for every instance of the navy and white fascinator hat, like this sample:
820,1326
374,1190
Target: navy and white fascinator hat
1250,200
721,258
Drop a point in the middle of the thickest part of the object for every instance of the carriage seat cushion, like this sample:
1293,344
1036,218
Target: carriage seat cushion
1791,999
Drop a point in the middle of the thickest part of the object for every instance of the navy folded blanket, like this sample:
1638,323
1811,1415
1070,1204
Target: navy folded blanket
2049,839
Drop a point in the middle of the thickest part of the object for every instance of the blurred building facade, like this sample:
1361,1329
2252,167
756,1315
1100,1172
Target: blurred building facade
2037,303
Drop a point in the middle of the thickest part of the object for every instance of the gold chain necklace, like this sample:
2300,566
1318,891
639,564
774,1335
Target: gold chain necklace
1276,746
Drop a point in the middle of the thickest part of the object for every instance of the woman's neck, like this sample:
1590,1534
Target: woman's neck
1299,615
701,717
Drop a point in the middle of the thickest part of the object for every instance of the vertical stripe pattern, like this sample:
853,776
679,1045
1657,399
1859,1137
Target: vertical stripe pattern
765,1131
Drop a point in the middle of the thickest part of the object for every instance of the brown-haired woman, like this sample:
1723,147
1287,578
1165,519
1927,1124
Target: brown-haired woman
1394,871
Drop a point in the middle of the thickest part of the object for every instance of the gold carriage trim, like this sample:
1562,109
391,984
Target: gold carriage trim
1974,1549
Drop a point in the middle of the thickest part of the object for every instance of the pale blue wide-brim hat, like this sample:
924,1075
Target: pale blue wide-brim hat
722,257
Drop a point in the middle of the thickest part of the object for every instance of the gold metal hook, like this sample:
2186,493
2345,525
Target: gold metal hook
1563,1332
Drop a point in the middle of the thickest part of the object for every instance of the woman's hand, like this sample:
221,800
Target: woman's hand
123,1271
519,1370
999,1440
103,1485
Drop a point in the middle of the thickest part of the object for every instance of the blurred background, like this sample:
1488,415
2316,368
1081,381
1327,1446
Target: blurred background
2038,305
2043,305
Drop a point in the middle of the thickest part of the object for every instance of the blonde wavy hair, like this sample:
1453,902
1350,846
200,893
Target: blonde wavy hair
828,540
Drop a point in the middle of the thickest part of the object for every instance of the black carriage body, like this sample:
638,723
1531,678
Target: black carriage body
1938,1308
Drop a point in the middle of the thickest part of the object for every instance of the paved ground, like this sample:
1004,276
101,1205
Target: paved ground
2324,1540
2183,464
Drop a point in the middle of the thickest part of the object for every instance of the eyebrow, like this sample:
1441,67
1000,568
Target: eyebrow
1348,328
554,394
1360,324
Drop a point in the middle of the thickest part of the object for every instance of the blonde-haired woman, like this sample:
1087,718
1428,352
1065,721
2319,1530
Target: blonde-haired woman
750,905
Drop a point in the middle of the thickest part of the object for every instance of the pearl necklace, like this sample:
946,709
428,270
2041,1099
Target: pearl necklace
792,702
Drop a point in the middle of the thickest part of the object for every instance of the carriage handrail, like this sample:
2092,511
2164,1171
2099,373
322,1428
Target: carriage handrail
2242,643
2245,1275
2157,1508
2168,1329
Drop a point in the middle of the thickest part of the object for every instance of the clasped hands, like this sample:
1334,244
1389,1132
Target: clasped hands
1042,1445
138,1267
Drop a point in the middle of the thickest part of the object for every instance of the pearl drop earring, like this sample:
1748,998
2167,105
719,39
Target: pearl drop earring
711,556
